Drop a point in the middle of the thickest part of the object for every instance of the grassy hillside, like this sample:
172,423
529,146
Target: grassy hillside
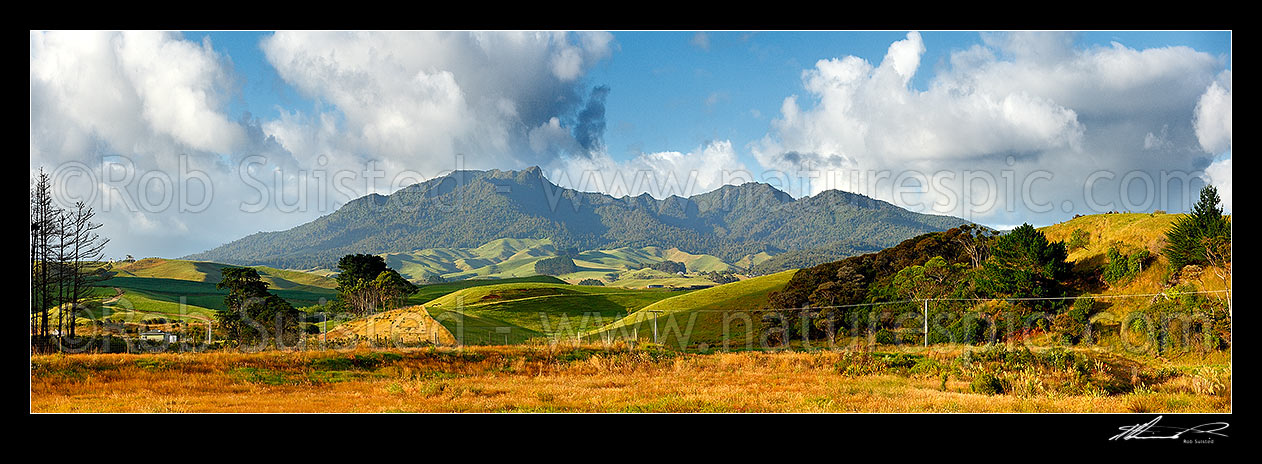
750,261
496,312
203,271
509,258
1138,229
176,289
642,278
1126,231
133,306
516,312
713,315
405,326
466,262
425,293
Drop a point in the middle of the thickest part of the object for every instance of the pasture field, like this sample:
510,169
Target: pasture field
516,312
511,257
596,378
204,271
709,316
431,291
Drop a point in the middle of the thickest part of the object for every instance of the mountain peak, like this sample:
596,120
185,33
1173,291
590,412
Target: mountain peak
476,207
528,176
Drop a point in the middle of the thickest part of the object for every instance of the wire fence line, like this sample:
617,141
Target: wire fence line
922,300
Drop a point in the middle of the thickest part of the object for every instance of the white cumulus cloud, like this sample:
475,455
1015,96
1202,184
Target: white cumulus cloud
479,94
1213,116
660,174
1030,107
151,105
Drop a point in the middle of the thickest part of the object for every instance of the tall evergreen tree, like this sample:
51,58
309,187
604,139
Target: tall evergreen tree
245,288
249,302
1187,238
367,284
1022,264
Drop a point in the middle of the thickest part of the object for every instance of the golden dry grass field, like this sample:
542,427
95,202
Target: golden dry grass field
602,379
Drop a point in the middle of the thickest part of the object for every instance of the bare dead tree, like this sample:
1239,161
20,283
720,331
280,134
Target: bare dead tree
84,263
45,232
1218,256
66,255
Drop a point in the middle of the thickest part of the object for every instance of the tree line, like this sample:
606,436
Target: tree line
365,286
1026,277
66,260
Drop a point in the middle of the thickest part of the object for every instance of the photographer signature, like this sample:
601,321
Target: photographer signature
1149,430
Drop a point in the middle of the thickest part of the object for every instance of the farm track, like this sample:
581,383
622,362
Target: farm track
119,295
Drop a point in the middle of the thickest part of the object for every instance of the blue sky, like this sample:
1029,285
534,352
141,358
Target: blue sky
670,93
1051,109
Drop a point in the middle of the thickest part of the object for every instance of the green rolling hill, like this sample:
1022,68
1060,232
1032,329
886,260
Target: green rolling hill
522,311
185,290
209,272
509,258
726,313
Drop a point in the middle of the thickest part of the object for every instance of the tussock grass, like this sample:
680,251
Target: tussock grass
596,379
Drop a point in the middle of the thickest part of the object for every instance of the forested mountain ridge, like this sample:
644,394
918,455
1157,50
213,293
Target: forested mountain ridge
470,208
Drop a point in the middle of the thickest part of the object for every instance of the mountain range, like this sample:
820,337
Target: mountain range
467,209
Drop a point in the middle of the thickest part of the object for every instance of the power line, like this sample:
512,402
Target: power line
918,300
895,302
1080,296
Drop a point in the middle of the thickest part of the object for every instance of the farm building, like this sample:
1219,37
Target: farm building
159,336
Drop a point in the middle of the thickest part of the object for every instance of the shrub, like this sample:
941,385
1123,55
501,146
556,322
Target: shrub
726,277
669,266
902,361
987,383
1072,325
1078,239
556,265
970,329
1122,268
885,337
593,282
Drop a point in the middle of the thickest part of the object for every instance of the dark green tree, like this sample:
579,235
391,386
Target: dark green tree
1023,264
831,297
1188,238
358,267
556,265
367,285
669,266
392,288
251,305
